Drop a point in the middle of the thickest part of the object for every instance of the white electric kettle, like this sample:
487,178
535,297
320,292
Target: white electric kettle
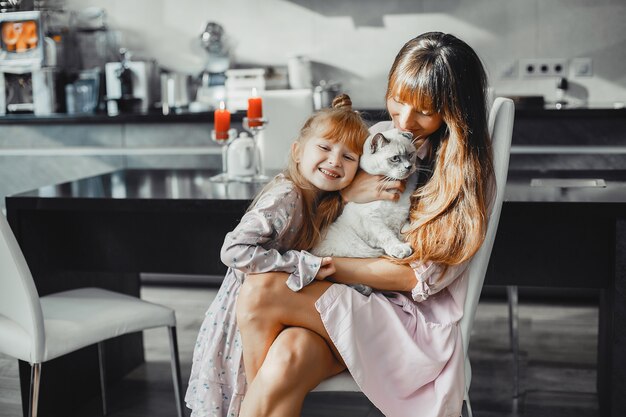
240,161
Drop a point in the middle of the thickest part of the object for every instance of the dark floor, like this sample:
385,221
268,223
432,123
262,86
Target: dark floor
558,357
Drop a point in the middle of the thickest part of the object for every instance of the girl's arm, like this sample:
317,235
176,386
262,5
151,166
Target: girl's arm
247,248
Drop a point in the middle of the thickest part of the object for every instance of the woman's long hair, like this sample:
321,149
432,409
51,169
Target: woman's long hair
438,72
319,209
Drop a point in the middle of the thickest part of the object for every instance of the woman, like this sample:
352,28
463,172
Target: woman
403,343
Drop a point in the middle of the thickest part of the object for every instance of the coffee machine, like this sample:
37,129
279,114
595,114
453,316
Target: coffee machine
131,86
28,71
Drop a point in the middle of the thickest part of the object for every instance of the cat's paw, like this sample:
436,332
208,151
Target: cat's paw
399,251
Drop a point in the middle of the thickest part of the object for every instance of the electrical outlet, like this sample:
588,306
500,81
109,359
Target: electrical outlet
543,67
582,67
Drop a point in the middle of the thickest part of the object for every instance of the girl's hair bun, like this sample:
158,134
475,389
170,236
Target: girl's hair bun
342,101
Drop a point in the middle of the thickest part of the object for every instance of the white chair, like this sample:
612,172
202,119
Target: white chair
36,330
501,119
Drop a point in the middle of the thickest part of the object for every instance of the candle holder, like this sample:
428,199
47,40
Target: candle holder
224,139
255,126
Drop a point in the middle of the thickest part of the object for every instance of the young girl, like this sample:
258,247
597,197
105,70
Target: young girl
284,221
402,344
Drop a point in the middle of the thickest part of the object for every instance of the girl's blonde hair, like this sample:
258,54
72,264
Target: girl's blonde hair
337,124
440,73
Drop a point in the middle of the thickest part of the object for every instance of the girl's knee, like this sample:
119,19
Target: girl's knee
296,363
293,353
257,294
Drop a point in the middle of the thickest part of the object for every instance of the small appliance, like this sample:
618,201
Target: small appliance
211,89
131,86
28,73
239,85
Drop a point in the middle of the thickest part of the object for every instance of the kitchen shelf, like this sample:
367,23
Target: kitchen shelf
62,118
111,151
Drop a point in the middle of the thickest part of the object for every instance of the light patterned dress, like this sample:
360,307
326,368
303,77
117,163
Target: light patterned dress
260,243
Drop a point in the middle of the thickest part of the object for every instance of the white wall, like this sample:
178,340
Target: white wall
355,41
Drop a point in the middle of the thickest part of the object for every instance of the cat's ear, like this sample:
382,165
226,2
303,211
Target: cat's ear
378,141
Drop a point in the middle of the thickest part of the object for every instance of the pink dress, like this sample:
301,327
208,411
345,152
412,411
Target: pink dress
260,243
404,350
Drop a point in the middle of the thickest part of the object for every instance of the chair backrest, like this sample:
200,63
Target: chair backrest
501,119
286,112
19,300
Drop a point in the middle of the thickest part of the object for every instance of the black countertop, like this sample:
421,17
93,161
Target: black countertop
103,118
151,186
151,117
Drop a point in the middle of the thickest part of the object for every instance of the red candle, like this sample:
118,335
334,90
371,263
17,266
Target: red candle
222,122
255,109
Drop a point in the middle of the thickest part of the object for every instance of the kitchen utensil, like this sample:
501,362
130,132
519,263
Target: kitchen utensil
174,91
324,93
240,163
241,157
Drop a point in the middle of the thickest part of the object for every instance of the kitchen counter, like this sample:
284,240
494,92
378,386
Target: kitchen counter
372,115
103,118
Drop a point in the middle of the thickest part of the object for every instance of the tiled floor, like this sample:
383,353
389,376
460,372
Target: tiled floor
558,356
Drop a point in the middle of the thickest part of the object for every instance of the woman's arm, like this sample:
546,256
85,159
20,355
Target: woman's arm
421,279
378,273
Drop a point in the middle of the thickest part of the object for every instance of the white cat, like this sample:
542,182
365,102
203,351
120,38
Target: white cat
373,229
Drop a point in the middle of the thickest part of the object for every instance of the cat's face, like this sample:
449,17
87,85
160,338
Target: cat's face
390,153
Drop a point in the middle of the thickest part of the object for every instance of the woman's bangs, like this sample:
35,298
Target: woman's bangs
414,87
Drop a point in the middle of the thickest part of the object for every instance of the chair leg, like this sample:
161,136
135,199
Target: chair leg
176,371
103,385
466,411
35,379
512,297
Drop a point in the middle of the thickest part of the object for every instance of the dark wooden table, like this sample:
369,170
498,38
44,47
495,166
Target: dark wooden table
105,230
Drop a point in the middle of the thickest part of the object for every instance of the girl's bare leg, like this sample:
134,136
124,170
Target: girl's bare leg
296,362
265,306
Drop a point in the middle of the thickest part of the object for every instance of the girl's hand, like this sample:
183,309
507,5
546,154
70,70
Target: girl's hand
327,268
366,188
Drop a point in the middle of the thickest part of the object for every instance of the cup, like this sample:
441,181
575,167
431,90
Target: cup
85,96
174,91
299,72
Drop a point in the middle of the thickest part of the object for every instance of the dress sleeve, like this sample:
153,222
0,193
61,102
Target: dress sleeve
246,248
433,277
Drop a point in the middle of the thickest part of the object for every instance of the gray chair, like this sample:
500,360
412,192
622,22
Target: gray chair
501,118
36,330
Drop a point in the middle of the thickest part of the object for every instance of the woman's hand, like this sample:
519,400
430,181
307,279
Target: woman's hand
366,188
327,268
